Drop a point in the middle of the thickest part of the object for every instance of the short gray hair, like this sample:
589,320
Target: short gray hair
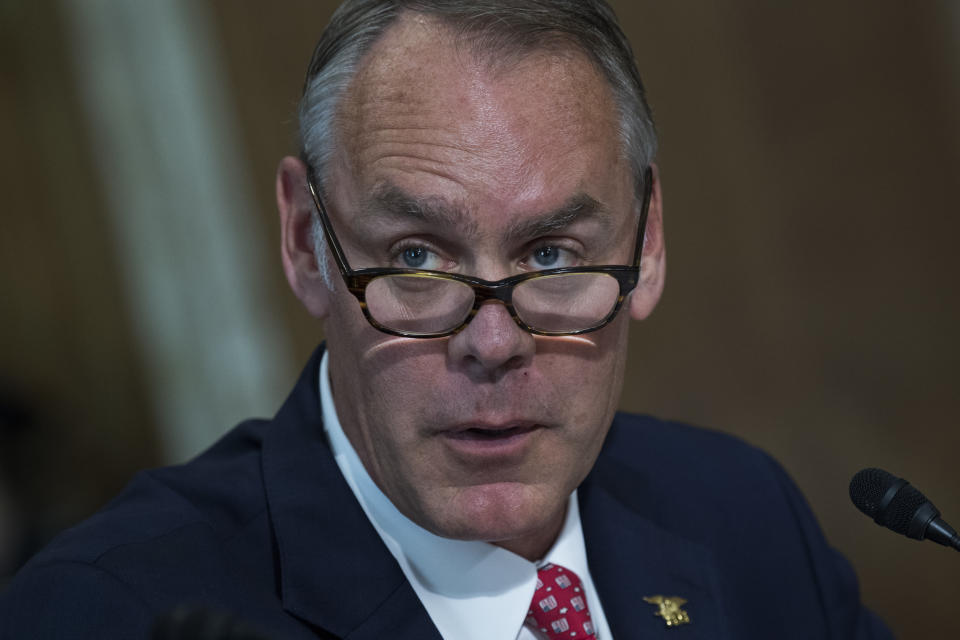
496,29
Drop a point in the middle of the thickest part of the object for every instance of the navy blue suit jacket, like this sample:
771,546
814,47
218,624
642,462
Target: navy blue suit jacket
264,526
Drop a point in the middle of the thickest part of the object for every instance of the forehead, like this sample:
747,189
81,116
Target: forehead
426,114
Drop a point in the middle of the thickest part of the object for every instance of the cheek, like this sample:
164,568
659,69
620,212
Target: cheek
587,370
600,395
386,380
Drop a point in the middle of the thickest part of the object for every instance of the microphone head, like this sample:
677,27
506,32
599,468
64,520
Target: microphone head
869,487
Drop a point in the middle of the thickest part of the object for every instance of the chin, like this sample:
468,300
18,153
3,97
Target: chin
502,512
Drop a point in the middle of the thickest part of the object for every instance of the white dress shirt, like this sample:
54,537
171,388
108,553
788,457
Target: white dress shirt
472,590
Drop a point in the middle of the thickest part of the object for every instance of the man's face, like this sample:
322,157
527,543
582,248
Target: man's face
482,435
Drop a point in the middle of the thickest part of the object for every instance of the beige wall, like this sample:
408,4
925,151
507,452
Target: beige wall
67,353
810,158
810,154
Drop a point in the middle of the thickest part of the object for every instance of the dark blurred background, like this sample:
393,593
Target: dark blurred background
810,154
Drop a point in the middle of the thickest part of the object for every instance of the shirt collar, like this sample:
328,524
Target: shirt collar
471,589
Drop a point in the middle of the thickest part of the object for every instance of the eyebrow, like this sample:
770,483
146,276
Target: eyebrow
578,207
391,201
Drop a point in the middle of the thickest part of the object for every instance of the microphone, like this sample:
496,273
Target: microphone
893,503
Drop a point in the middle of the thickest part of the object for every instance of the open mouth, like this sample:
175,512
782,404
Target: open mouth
498,433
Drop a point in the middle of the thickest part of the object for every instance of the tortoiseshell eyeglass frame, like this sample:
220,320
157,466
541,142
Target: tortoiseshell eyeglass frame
483,290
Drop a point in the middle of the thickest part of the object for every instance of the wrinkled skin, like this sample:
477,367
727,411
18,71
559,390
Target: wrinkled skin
493,147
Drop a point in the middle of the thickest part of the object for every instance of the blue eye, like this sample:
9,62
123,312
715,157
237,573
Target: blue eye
546,257
414,257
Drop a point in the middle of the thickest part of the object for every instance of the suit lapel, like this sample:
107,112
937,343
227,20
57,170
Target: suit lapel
334,571
631,557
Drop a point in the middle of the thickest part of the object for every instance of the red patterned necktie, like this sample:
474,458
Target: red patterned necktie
559,607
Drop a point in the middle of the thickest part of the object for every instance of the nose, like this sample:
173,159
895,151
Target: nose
492,344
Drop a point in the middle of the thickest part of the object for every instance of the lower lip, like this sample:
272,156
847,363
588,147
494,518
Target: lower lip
490,444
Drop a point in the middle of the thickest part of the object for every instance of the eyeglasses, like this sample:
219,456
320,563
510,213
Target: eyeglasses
420,303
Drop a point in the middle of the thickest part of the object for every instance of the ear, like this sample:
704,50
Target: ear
653,264
296,237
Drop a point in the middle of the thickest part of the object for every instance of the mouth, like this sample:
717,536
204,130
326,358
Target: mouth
488,433
491,441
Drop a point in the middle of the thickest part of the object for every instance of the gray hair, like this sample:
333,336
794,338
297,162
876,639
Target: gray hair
496,30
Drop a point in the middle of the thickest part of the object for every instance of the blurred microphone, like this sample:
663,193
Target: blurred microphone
186,623
893,503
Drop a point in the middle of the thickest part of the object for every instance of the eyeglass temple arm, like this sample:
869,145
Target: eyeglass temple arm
331,237
642,229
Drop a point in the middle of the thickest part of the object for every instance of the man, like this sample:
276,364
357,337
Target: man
475,218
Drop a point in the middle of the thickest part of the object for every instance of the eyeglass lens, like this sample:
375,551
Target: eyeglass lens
421,303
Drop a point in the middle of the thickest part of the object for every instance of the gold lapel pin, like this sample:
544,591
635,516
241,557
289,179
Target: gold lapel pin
669,609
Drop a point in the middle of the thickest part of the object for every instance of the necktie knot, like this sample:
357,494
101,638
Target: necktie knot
559,607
